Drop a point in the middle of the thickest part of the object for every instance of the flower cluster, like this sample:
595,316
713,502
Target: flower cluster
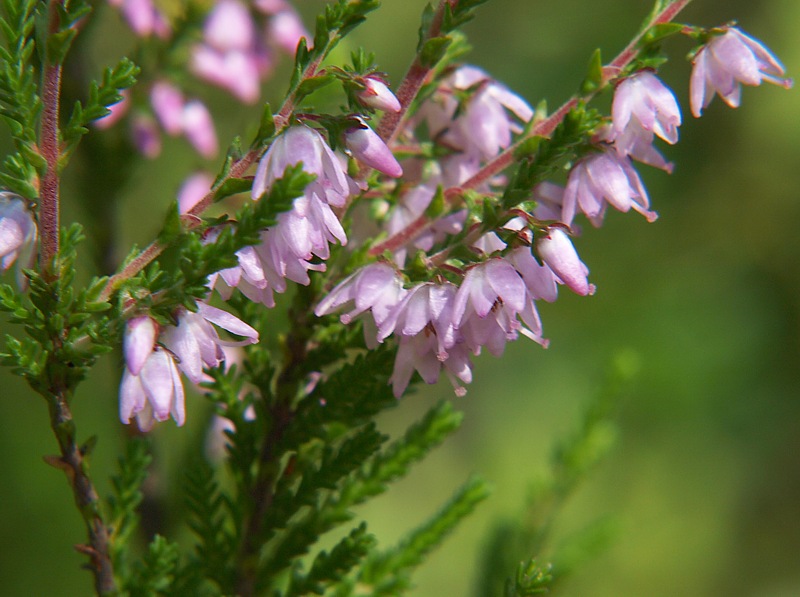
151,388
473,284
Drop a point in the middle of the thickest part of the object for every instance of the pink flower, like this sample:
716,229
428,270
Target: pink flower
198,127
146,136
195,342
487,304
369,149
285,29
154,394
377,95
727,61
558,253
643,106
18,235
143,17
167,102
229,26
139,342
194,188
427,305
376,288
237,71
601,179
418,353
482,125
302,144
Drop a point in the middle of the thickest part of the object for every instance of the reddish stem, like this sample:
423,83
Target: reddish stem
541,129
49,209
390,125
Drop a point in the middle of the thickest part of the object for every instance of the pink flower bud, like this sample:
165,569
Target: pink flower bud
558,253
368,148
140,339
229,26
377,95
167,102
193,189
146,137
199,128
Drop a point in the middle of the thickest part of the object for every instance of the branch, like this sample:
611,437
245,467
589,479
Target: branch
390,125
86,498
49,216
541,129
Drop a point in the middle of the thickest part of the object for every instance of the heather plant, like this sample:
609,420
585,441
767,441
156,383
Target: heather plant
362,237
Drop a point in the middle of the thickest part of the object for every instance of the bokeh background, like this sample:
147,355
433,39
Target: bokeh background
704,482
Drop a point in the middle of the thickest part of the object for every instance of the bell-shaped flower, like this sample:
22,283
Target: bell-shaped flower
487,304
376,94
419,353
481,125
167,102
727,61
139,342
539,278
195,342
369,149
18,235
143,17
558,253
643,106
376,288
302,144
285,28
426,307
193,189
229,26
198,126
155,394
601,179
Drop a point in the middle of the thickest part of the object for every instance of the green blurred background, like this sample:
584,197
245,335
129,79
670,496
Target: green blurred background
705,479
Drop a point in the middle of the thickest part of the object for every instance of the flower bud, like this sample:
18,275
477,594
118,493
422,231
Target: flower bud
558,253
377,95
368,148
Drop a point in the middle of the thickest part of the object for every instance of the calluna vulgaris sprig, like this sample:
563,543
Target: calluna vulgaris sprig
433,220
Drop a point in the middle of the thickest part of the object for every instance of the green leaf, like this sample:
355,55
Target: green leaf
433,50
232,186
594,76
266,128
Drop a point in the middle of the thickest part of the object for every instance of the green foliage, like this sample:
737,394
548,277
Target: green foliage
329,569
531,579
20,104
338,19
67,328
125,499
572,459
388,573
155,574
210,518
101,96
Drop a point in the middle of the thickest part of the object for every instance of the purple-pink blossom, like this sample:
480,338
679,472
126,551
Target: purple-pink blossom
155,394
18,233
727,61
376,94
369,149
602,179
643,106
558,253
195,342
